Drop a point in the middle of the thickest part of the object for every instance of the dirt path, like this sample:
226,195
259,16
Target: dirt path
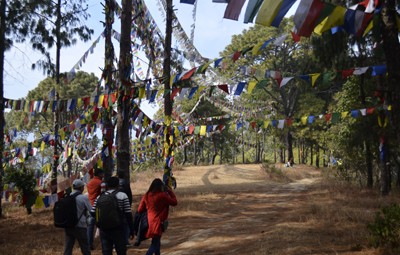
230,210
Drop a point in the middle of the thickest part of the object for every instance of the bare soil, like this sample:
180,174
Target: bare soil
232,209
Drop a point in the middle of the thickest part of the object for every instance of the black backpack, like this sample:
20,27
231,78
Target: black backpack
65,212
108,215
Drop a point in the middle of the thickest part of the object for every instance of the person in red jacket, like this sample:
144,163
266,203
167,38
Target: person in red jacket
94,190
157,201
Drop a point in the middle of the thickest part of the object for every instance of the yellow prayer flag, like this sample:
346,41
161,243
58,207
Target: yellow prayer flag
314,77
371,25
389,107
79,103
171,80
252,85
42,144
336,18
26,106
100,163
256,48
176,131
344,114
101,99
145,121
203,130
304,120
167,121
39,202
266,123
69,151
142,93
268,11
62,134
201,88
205,66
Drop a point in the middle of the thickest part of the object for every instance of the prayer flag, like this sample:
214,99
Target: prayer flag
336,18
233,9
306,16
269,11
251,11
188,1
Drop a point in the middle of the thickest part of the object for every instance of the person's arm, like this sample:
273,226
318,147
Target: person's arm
93,210
171,198
127,212
88,206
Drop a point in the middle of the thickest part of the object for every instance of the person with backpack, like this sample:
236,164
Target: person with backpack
112,212
79,231
94,190
156,202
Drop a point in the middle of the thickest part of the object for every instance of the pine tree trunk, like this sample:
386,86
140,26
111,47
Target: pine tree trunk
195,153
274,141
289,145
368,159
391,47
215,150
2,50
124,100
184,155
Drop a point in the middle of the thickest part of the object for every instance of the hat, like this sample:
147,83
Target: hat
98,171
77,184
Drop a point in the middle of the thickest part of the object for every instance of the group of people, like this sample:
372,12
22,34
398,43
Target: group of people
156,202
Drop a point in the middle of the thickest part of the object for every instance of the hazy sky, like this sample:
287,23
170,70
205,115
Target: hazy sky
212,34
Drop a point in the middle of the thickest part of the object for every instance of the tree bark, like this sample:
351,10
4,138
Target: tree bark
168,140
56,115
2,50
289,145
124,100
391,47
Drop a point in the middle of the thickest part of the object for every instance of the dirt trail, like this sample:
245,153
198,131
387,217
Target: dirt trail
228,210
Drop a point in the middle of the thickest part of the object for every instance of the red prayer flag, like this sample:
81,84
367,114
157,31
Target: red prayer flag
328,117
224,87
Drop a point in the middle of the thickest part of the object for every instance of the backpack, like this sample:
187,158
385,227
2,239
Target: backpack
108,215
65,212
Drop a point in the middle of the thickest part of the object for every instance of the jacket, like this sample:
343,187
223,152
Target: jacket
157,206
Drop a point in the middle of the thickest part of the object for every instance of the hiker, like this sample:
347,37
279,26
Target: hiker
79,232
157,201
112,228
94,190
124,186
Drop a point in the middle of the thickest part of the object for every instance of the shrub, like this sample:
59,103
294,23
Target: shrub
385,230
274,173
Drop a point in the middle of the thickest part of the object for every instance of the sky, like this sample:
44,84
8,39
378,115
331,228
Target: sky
212,34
